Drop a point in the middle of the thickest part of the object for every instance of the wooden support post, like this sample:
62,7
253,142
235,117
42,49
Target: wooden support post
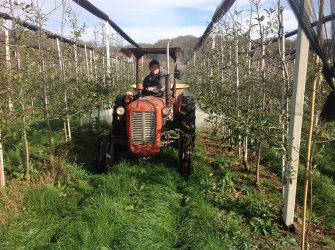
142,69
297,108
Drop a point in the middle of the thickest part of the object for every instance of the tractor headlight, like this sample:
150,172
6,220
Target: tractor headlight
120,110
166,111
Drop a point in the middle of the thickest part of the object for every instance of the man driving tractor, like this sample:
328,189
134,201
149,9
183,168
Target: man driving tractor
154,83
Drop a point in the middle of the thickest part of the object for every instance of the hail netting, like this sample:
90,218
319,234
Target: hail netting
322,40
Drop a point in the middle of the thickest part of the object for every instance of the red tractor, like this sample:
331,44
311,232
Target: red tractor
146,123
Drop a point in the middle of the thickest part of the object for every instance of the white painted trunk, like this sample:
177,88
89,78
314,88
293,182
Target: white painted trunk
95,66
91,63
87,65
8,64
238,92
106,36
105,70
67,132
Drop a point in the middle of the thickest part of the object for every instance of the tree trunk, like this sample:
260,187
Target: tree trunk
27,151
245,154
245,142
258,166
238,94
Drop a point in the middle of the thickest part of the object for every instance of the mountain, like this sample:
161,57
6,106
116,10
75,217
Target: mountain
186,43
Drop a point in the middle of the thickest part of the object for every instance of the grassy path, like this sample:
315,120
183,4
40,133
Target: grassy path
148,206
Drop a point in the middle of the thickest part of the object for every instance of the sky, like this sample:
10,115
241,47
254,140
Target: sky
147,21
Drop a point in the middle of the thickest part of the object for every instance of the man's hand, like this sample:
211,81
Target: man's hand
129,93
151,88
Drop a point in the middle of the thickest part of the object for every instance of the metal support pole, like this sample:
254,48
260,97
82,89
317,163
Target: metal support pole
106,40
136,73
87,66
142,69
291,172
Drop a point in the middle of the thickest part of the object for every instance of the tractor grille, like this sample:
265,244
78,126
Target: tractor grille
143,127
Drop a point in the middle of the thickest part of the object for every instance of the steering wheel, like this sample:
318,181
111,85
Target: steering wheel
156,93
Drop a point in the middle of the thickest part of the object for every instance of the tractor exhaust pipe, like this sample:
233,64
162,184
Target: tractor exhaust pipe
168,83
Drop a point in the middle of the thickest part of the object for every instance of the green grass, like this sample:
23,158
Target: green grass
124,209
145,206
323,183
325,159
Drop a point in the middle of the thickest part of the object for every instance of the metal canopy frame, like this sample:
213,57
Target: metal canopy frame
139,52
98,13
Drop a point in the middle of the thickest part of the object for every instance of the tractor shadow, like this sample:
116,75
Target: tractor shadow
167,158
83,145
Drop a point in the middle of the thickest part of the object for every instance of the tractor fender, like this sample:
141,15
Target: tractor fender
178,102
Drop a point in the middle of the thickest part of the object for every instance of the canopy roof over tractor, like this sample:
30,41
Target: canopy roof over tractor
139,52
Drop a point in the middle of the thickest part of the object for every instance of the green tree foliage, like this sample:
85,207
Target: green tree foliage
44,82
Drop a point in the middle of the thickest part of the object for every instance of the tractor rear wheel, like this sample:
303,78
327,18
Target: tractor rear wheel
186,124
104,153
185,155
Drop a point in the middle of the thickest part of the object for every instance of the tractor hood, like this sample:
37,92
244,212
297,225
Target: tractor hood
144,125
